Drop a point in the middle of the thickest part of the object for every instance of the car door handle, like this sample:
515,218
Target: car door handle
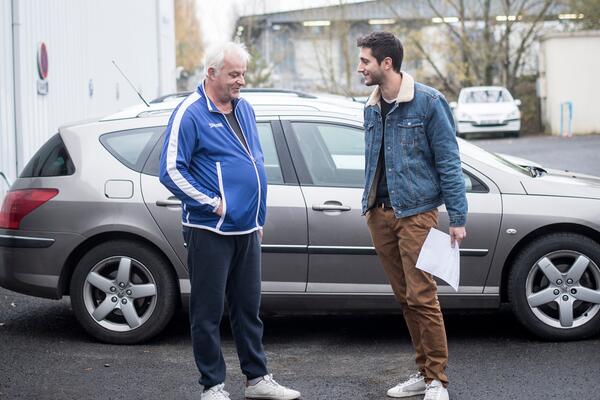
330,207
171,201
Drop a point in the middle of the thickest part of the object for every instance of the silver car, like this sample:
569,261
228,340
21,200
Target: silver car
88,218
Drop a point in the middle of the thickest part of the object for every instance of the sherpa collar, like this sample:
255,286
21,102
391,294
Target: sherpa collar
406,93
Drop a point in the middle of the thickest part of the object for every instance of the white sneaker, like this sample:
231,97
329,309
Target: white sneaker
415,385
436,391
267,388
215,393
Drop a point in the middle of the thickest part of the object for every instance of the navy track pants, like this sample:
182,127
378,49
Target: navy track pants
225,266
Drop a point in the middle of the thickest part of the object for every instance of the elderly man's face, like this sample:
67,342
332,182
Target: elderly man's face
228,81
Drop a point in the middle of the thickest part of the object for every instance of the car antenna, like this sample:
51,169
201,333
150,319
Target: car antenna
347,93
131,84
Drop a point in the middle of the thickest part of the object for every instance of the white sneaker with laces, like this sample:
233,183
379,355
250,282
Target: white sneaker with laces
415,385
268,388
215,393
436,391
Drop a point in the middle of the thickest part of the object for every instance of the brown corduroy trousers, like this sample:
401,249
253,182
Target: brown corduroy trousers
398,242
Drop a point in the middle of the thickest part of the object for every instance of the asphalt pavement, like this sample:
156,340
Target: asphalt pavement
45,354
576,154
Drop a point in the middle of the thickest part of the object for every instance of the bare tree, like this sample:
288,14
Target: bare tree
588,11
481,44
259,70
336,56
323,51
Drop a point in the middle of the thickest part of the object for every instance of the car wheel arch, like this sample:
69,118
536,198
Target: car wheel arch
531,237
91,242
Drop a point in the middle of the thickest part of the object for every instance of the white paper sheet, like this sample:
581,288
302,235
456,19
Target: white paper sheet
439,258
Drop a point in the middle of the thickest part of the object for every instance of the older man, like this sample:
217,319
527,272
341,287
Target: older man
213,162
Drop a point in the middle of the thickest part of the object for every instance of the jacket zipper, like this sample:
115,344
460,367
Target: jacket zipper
222,190
247,151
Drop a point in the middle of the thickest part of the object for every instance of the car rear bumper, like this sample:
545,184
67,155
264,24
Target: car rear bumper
32,262
508,126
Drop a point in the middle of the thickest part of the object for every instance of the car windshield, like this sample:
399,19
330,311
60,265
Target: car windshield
486,96
490,158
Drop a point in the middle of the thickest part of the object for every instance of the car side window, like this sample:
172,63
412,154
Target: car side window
272,165
153,163
334,154
52,159
265,133
474,185
131,147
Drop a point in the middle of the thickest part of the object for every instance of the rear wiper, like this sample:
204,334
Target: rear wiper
536,171
5,179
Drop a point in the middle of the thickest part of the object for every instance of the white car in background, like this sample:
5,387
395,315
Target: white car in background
486,109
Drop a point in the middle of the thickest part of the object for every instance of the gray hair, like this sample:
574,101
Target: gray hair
215,55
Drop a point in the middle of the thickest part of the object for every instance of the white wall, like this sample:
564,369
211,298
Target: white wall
569,67
166,46
82,38
7,107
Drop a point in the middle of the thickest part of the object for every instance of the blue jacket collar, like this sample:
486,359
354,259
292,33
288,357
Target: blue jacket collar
209,103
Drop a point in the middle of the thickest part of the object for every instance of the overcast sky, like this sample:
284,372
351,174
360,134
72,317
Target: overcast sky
217,22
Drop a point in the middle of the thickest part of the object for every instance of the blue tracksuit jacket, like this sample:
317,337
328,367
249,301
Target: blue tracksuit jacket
203,161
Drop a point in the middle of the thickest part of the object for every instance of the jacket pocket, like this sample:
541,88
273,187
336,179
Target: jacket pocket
410,131
409,144
414,163
222,193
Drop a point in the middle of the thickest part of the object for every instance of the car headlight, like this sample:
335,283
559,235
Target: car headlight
462,116
514,114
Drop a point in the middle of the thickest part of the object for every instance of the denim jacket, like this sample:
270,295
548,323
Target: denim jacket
422,162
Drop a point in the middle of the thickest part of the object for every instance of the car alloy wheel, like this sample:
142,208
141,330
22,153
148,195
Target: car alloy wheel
120,293
123,292
554,286
562,289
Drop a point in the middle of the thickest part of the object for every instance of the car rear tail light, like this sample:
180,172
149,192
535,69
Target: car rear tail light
19,203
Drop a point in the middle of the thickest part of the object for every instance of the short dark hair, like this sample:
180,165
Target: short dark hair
382,45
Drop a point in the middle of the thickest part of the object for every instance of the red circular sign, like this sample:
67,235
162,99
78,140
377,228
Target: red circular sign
42,60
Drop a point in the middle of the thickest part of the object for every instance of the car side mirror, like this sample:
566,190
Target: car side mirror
518,102
453,105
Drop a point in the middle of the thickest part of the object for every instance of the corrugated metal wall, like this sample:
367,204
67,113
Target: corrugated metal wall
7,107
82,38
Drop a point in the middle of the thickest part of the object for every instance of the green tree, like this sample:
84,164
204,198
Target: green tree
258,72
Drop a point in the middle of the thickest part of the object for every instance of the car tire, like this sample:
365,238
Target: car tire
554,287
123,292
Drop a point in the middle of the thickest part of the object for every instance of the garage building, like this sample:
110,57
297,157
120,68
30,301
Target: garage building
57,66
568,83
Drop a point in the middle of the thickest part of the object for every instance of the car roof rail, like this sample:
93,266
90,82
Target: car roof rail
170,96
282,91
298,93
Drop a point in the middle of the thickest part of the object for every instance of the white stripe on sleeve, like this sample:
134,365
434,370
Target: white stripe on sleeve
172,170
